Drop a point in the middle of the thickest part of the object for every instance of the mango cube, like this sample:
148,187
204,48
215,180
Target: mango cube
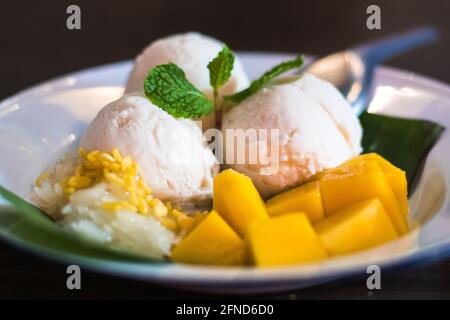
212,242
237,200
394,176
361,180
361,226
285,239
305,198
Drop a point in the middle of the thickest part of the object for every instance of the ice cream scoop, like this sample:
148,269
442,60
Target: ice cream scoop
174,160
316,129
191,52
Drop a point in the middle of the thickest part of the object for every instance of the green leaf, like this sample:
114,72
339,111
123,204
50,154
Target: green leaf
264,80
35,226
27,210
404,142
39,238
220,68
167,87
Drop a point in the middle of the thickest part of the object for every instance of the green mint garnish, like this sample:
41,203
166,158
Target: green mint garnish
264,80
167,87
220,71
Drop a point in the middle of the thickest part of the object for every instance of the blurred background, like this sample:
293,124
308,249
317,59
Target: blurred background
36,45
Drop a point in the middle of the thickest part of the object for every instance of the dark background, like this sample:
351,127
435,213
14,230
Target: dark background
36,45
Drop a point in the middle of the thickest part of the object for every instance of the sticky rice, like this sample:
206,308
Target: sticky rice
83,212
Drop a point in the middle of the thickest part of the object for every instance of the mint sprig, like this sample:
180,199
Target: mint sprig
263,81
167,87
220,71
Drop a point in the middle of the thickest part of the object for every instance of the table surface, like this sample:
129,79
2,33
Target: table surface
37,46
25,277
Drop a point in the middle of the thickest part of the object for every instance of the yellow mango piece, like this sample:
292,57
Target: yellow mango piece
212,242
396,177
236,199
358,181
305,198
285,239
358,227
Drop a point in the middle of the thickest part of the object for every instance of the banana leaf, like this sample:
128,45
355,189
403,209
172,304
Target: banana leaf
404,142
37,227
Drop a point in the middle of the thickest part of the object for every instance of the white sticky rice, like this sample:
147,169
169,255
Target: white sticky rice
82,213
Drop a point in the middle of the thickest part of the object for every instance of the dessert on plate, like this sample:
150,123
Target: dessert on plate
144,178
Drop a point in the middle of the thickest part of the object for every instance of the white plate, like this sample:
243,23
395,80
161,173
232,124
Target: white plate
38,124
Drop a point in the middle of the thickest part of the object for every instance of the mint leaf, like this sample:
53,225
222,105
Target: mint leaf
220,70
166,86
265,79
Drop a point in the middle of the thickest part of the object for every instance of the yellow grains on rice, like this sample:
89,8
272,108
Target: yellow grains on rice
123,173
79,182
40,180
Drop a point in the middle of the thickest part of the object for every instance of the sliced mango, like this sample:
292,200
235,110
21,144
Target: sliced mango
361,226
237,200
285,239
395,176
305,198
212,242
358,181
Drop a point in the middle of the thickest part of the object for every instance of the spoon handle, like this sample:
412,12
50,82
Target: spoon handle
375,52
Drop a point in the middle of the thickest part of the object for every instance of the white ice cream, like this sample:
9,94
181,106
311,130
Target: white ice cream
173,158
191,52
317,130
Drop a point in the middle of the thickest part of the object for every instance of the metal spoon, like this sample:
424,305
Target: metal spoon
351,71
